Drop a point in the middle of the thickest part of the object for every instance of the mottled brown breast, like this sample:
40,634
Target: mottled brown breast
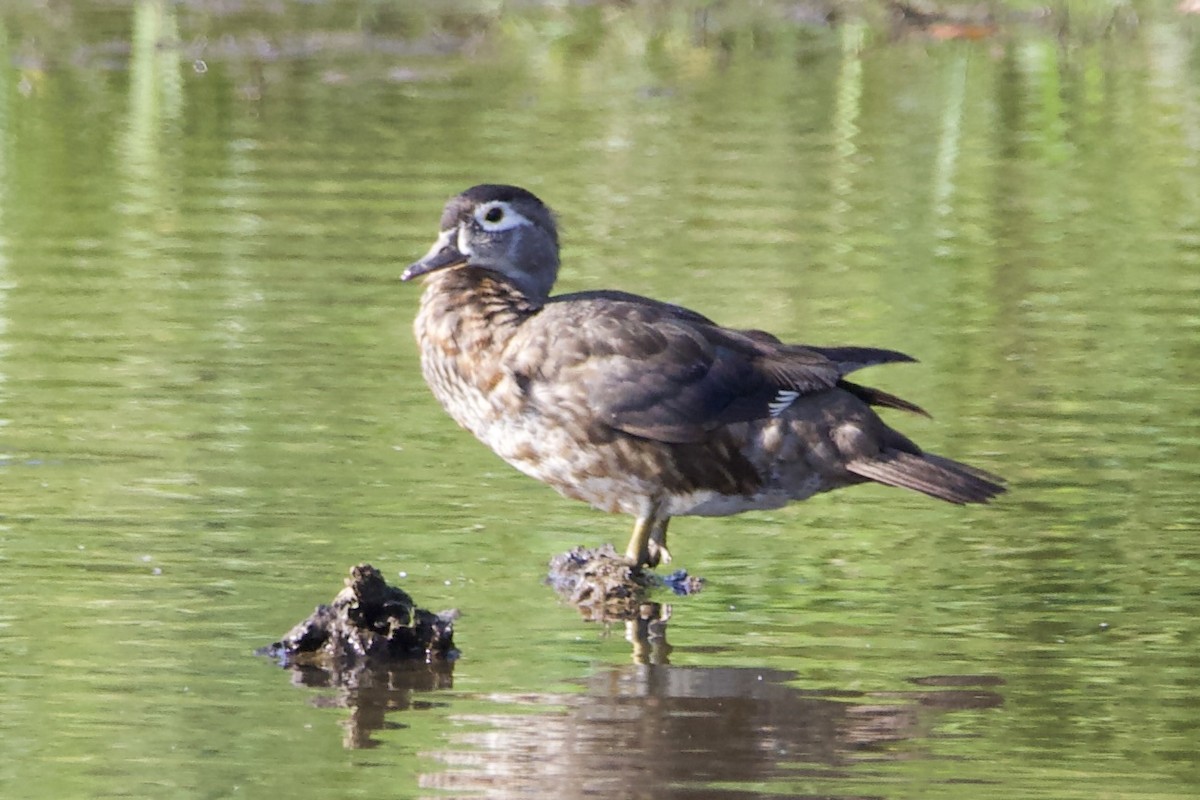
521,381
465,321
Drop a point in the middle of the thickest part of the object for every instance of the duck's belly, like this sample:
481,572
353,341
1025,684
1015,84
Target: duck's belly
628,474
605,475
634,476
708,503
554,449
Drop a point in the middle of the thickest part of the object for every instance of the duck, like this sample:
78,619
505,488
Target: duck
640,406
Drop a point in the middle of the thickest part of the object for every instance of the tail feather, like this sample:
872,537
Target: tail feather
880,398
935,476
852,359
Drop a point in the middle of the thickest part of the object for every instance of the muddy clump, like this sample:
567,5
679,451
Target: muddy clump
606,586
602,584
369,623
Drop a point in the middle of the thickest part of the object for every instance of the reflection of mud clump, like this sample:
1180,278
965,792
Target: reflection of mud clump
368,622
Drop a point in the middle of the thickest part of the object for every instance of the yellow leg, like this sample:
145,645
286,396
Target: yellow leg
658,543
648,544
638,550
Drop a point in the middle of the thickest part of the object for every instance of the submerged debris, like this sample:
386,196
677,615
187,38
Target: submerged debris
606,587
683,584
368,623
600,583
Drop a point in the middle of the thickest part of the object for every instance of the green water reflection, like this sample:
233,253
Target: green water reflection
211,404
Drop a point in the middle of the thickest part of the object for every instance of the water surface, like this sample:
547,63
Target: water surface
212,407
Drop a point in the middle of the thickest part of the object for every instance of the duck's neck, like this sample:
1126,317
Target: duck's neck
467,318
474,308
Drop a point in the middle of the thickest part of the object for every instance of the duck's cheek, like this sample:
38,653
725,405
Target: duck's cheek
464,242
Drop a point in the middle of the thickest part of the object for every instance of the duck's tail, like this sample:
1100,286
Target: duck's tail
935,476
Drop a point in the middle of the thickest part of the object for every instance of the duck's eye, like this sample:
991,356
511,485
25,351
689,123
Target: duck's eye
497,216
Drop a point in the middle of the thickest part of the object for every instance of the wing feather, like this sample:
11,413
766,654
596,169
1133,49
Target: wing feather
663,372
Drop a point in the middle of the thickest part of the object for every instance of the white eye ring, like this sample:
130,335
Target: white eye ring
498,216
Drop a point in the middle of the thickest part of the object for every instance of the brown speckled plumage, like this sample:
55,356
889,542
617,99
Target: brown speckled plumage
639,406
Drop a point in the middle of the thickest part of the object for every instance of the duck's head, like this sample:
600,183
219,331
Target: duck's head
505,229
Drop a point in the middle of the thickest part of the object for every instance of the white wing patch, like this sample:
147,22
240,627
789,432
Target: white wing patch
783,399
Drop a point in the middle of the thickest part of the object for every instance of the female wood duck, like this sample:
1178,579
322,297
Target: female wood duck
641,406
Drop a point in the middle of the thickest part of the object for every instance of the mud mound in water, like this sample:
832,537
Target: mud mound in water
368,622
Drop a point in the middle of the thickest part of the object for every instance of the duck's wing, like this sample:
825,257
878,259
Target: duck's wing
616,296
663,373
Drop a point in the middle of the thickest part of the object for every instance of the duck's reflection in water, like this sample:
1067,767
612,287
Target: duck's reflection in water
681,731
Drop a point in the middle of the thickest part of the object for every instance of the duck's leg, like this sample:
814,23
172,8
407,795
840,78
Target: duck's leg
638,550
648,544
658,542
